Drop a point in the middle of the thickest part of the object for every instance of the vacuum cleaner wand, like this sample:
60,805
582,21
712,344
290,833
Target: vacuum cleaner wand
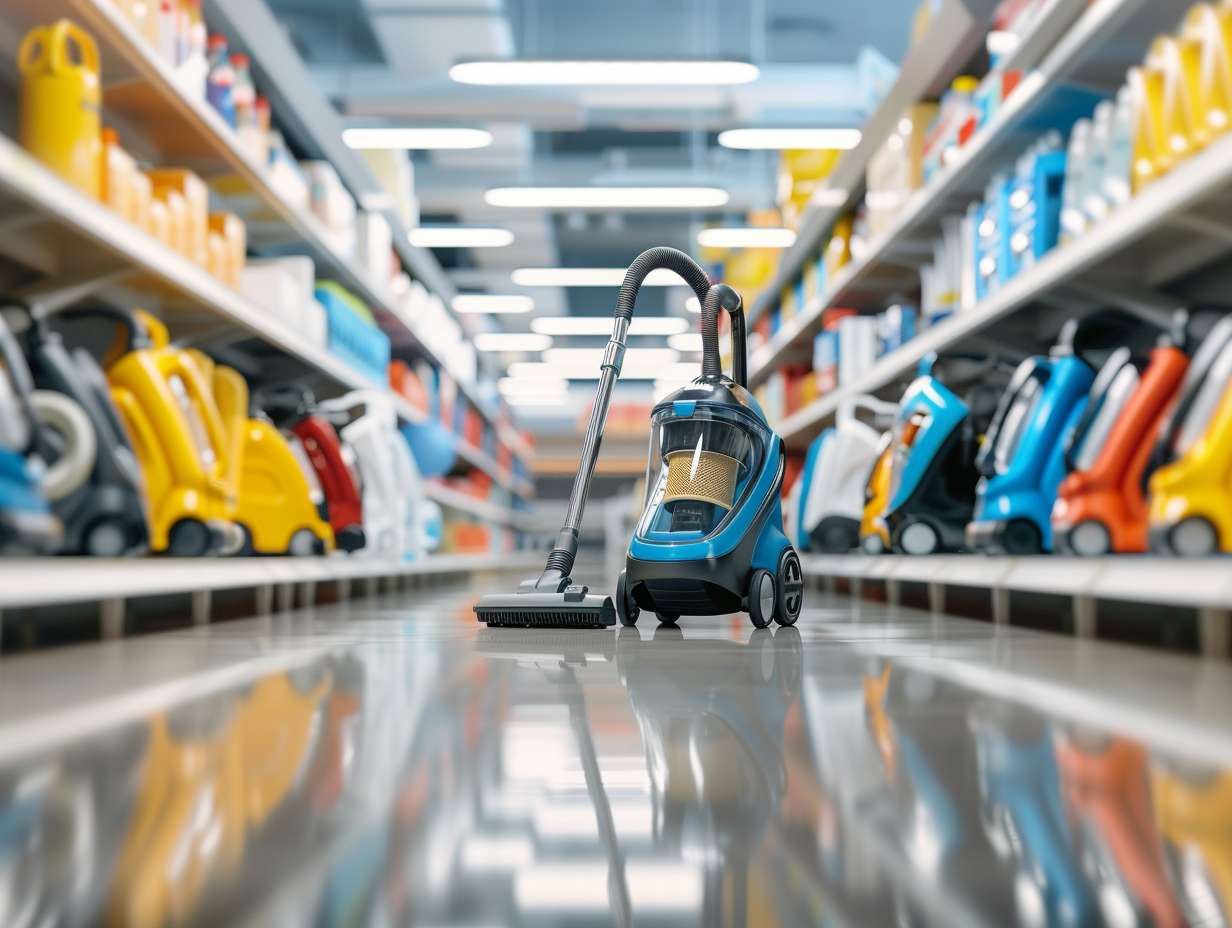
552,600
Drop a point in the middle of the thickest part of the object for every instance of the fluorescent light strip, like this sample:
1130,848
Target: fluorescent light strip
460,237
571,359
751,237
492,303
525,73
512,341
535,386
554,400
416,139
785,139
607,197
590,277
599,325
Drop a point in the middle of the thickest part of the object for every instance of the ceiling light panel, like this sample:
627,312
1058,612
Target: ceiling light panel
607,197
512,341
746,238
526,73
786,139
602,326
590,277
492,303
416,139
460,237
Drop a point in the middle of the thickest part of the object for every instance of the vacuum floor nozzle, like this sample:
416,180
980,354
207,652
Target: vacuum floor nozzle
545,610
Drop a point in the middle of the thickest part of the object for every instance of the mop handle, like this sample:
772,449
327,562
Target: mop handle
563,553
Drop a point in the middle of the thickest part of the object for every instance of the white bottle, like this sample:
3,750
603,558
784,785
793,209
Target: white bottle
1094,202
1118,157
1073,218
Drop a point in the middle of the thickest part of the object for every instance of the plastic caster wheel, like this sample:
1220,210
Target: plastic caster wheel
1022,537
189,538
302,544
872,544
918,538
626,609
762,598
667,618
1090,539
106,538
790,589
1194,537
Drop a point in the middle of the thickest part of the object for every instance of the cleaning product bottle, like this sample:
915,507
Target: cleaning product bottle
168,32
1151,153
1073,217
220,80
194,65
1094,203
118,168
1211,28
262,137
1119,154
59,110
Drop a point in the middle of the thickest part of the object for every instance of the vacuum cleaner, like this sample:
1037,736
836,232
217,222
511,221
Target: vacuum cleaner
1022,459
1190,470
27,524
105,516
710,540
832,488
936,437
1101,505
874,535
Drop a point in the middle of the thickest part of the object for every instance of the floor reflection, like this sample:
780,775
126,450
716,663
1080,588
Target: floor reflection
422,771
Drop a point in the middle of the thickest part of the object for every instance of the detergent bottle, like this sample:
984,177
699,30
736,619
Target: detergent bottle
1151,156
60,121
220,80
1211,28
1180,60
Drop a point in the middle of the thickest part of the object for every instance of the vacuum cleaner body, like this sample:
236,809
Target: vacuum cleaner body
1190,472
342,498
106,515
1022,461
798,498
1101,505
27,524
874,534
713,514
711,538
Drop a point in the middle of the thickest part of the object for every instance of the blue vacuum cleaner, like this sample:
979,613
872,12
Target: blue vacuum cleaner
710,540
935,439
1022,459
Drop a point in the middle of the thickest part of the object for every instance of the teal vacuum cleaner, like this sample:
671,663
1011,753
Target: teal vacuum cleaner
710,540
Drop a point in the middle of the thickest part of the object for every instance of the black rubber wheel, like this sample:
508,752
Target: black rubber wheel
789,588
762,598
1194,537
246,546
667,618
626,609
189,538
1022,536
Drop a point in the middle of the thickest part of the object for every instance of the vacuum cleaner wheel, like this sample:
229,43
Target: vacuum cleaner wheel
626,609
302,544
667,618
106,538
1194,537
918,538
1089,539
1022,536
762,597
189,538
790,585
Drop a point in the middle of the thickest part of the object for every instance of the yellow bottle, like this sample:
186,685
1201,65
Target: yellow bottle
142,194
1179,59
235,239
1150,144
118,168
59,120
1211,28
195,218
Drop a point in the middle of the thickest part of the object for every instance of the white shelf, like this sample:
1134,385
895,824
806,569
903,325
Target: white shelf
141,90
1194,186
960,181
51,581
462,502
931,63
1204,583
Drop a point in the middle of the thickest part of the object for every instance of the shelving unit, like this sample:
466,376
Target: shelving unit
142,91
276,581
1202,584
1050,55
462,502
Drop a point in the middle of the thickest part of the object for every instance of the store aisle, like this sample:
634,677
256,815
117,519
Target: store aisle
393,763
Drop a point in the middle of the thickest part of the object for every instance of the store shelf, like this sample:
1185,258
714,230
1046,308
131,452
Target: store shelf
1204,583
141,90
1078,52
931,63
56,581
1138,242
463,502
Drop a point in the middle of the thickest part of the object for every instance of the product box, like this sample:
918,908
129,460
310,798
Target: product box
857,348
373,243
896,326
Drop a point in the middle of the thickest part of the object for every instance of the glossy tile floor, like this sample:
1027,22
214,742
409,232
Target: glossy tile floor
392,763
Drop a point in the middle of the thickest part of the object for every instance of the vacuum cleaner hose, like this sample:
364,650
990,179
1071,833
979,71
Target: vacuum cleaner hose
673,259
721,296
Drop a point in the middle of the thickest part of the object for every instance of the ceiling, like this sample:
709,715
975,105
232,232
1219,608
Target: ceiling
386,62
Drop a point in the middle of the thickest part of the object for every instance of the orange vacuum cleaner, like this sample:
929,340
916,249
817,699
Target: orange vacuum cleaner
1101,506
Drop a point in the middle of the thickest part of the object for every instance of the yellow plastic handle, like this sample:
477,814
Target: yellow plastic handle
32,55
66,31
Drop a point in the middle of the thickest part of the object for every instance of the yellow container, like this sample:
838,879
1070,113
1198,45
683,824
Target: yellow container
1150,139
1211,28
60,102
195,221
1180,60
216,257
118,170
235,239
142,195
838,252
176,236
159,221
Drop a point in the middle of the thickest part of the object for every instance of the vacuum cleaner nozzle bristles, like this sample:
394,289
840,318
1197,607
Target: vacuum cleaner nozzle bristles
546,610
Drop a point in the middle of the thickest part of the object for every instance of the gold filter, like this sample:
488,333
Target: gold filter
713,481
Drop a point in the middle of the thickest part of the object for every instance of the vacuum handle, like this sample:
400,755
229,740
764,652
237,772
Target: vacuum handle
721,296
